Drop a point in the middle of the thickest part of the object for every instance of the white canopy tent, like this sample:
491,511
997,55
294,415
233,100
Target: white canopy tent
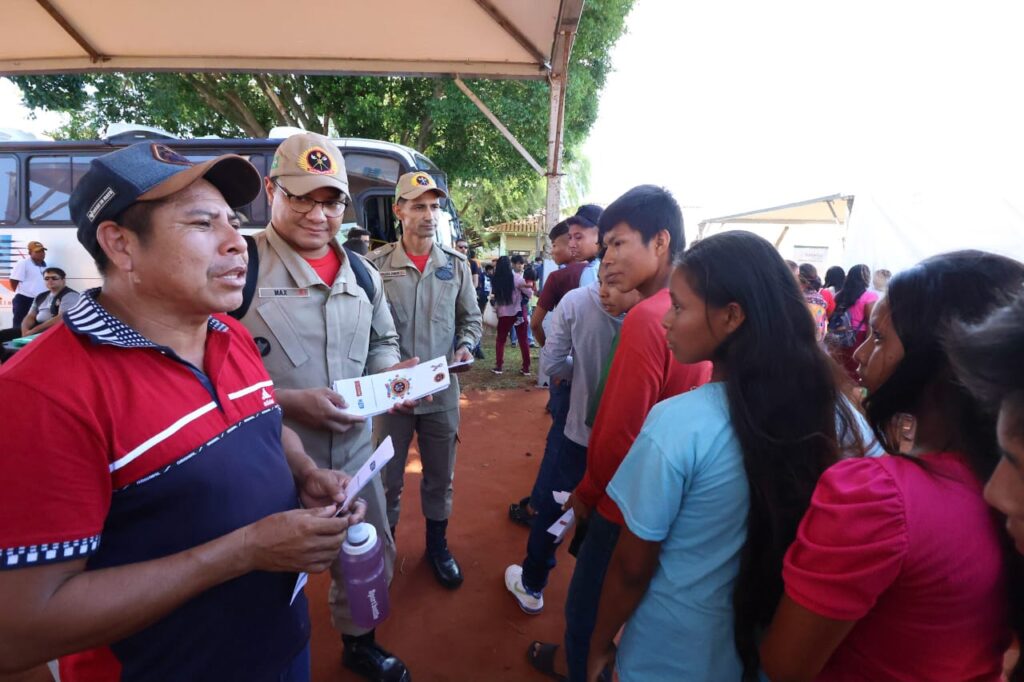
892,230
472,38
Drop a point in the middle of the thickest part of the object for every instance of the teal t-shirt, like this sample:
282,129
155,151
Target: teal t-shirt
683,484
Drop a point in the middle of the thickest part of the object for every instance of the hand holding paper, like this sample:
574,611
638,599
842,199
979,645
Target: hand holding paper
377,393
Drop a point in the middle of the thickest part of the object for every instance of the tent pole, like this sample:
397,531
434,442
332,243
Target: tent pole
558,83
498,124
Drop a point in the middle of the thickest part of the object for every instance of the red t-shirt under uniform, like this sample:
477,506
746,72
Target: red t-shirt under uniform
911,552
326,266
643,372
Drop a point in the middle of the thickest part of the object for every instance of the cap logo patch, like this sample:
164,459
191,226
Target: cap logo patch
423,180
316,160
167,155
101,201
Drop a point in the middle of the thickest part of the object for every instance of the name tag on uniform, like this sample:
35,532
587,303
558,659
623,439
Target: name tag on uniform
269,292
391,274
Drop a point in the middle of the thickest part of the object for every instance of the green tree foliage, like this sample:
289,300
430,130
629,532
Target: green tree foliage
491,183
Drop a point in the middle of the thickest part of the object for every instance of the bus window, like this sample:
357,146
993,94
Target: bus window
255,214
378,219
50,181
371,166
8,189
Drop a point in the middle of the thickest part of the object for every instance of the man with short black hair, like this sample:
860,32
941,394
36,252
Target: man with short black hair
358,240
48,307
316,324
584,244
157,527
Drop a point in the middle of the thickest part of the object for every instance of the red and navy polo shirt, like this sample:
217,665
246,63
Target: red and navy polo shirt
116,450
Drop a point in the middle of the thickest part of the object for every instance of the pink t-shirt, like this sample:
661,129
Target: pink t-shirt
912,555
521,288
857,310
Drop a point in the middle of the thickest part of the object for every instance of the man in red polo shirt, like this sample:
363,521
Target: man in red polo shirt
151,520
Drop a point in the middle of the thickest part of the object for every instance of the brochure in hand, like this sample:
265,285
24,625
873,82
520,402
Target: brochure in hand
377,393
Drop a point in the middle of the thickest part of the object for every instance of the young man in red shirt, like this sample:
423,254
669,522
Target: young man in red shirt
642,233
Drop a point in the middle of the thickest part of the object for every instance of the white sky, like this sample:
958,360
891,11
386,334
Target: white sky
742,105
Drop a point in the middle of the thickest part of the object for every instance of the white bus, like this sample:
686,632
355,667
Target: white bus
37,177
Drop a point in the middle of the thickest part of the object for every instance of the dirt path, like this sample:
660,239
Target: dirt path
476,632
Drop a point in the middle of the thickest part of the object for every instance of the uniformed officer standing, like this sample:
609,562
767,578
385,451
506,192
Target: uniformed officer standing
430,290
315,324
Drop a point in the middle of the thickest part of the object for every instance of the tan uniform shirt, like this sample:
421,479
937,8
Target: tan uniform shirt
435,311
311,335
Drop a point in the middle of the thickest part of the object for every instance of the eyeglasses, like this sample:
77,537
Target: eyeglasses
464,247
52,278
303,204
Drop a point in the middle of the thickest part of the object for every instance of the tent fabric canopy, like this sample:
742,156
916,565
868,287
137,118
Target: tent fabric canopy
833,209
486,38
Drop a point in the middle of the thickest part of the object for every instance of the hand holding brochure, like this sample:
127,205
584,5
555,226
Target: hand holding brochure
377,393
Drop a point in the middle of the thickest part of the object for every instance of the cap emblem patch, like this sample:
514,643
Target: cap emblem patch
316,160
423,180
167,155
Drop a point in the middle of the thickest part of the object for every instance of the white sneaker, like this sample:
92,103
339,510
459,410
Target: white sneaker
530,602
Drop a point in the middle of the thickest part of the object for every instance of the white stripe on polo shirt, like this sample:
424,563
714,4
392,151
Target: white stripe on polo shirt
251,389
162,436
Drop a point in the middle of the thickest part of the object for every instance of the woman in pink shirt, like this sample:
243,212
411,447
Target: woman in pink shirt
898,570
508,288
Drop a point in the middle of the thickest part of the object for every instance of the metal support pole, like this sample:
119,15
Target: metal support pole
498,124
558,83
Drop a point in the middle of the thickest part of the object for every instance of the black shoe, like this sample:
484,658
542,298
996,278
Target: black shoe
479,354
446,568
365,657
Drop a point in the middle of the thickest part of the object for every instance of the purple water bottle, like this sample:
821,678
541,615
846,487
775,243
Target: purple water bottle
362,560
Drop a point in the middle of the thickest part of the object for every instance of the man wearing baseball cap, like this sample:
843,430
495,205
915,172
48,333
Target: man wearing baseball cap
430,289
155,532
315,324
27,281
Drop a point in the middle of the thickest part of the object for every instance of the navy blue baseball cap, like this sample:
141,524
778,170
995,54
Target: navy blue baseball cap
588,215
148,171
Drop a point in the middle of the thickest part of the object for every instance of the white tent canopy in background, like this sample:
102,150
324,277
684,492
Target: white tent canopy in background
896,230
891,229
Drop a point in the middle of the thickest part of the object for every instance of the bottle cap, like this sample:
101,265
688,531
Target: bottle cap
360,539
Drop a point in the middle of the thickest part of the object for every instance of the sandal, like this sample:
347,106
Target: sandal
542,657
517,512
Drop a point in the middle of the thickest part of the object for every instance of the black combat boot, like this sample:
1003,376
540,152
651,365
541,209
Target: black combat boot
365,657
446,569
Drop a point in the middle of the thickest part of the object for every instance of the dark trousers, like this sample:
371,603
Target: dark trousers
585,592
299,670
563,473
505,324
20,306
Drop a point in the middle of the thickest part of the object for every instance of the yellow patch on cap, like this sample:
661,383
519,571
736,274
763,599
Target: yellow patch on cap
316,160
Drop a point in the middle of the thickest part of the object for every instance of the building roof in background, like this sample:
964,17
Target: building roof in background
526,226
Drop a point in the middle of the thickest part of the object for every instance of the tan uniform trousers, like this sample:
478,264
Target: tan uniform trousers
435,436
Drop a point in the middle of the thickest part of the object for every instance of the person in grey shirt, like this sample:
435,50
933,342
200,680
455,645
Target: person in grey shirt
578,343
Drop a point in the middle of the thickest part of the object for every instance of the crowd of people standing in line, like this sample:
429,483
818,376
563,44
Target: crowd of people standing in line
744,508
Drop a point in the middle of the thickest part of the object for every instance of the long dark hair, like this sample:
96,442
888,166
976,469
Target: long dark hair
930,305
808,276
858,279
785,406
924,302
503,283
986,359
835,277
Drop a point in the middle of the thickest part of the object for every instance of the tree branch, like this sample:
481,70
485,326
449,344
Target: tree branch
271,94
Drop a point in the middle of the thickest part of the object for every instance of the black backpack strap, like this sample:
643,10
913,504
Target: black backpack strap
38,300
363,278
252,273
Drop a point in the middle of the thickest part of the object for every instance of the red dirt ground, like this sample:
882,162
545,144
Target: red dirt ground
475,633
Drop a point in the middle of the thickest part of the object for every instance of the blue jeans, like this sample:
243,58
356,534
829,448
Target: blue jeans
564,471
585,592
558,406
299,669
